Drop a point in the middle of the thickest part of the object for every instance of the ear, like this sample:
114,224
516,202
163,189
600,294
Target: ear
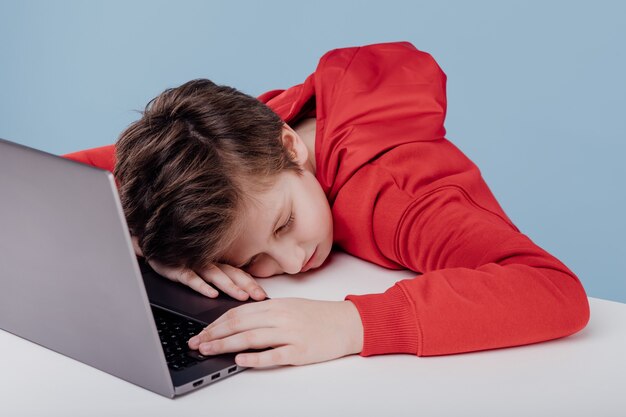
294,144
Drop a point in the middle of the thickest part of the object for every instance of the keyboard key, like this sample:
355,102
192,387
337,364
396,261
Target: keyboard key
175,366
197,355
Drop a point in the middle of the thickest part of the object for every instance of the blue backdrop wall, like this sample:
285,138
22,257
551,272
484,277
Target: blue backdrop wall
536,89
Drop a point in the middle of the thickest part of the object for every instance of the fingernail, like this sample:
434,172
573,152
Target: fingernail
259,293
194,340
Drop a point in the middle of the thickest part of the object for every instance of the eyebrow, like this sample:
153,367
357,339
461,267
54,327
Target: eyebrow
278,216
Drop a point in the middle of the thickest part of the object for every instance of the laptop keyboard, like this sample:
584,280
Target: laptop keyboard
174,331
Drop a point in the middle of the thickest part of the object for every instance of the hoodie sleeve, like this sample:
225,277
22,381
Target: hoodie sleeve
403,196
101,157
484,285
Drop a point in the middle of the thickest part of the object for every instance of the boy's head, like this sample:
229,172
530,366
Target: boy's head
205,173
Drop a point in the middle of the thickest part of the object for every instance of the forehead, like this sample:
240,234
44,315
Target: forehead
259,209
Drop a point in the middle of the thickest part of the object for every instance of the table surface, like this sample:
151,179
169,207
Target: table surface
580,375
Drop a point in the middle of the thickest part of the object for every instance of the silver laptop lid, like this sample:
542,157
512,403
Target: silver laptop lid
69,279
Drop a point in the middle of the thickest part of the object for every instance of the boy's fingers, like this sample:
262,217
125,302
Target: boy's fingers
186,277
233,284
245,282
202,287
218,278
193,281
270,357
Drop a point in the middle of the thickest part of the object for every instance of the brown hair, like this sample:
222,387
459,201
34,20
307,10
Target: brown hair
186,169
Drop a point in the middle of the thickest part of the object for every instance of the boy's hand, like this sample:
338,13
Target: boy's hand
233,281
300,331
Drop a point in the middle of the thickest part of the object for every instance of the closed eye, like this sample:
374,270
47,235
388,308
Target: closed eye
287,225
284,227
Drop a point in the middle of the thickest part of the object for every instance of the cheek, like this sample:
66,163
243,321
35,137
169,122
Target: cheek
323,217
316,217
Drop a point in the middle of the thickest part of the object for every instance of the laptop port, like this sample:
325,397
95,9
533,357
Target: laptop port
233,369
195,384
217,375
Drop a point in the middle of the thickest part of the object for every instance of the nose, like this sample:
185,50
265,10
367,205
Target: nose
290,257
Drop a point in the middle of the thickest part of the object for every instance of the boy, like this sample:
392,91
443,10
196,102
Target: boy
217,188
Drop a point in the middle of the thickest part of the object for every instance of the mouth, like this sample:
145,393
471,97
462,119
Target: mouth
309,263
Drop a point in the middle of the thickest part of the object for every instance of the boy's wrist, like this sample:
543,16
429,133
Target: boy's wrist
355,328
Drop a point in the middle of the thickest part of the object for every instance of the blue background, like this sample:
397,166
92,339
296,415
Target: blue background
536,90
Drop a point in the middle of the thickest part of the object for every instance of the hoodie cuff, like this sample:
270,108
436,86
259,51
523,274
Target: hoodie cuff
389,322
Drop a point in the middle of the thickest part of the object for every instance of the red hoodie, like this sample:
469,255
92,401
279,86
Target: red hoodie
404,197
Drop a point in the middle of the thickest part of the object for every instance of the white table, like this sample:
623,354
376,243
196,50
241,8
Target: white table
581,375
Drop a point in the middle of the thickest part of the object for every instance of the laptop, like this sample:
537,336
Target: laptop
71,282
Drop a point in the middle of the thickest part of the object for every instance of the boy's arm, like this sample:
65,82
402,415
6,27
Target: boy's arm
485,285
101,157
